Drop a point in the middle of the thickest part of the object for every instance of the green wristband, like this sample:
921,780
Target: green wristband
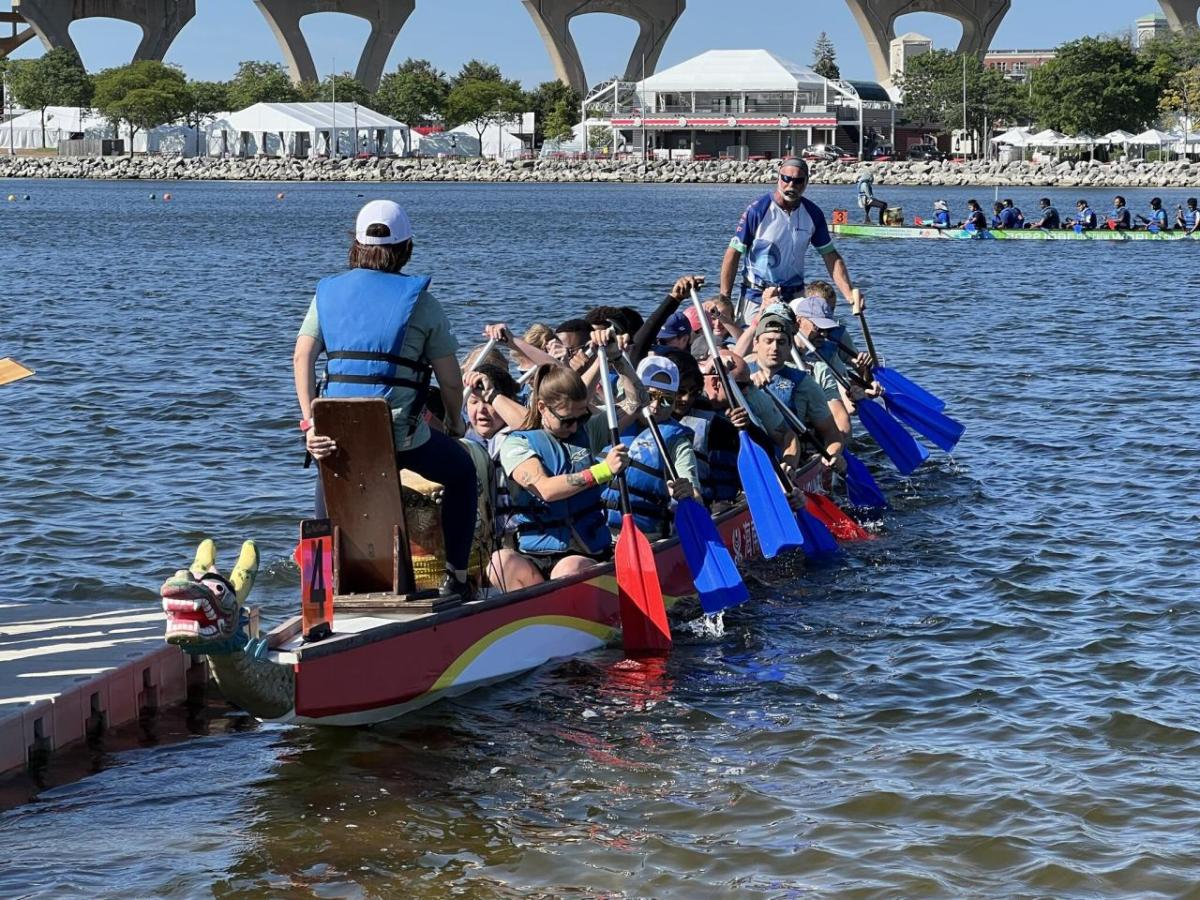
601,472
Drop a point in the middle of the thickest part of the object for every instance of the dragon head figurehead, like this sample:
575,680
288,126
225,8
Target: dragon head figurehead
205,610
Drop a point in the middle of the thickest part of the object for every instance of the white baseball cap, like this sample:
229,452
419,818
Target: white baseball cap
659,372
387,213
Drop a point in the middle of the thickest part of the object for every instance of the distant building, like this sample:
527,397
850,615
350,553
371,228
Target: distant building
1147,28
905,48
1017,65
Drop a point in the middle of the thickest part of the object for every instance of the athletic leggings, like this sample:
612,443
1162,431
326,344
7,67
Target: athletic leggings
442,459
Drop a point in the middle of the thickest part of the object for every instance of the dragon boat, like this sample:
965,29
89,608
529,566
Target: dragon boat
1027,234
369,645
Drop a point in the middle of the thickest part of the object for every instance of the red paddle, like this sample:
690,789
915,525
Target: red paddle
644,627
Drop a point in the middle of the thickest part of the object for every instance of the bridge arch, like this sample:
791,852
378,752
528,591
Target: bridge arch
655,19
160,20
1180,14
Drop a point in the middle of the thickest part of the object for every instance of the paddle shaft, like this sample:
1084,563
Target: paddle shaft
610,410
799,427
718,362
668,463
862,318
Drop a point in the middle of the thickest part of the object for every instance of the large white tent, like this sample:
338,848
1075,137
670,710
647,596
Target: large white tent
62,122
499,141
311,129
751,70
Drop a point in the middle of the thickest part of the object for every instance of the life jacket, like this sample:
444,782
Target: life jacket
717,468
784,383
364,315
501,499
646,482
1087,218
547,528
941,219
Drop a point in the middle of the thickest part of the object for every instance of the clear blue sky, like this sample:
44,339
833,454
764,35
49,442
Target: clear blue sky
449,32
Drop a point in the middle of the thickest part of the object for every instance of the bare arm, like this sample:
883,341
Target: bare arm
841,277
830,436
533,477
841,418
450,385
729,267
304,371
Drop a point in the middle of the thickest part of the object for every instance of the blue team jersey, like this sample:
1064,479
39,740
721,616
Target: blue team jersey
774,241
1010,217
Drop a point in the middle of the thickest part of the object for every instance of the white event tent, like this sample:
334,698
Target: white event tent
499,141
309,129
62,122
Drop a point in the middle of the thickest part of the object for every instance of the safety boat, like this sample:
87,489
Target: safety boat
369,645
1027,234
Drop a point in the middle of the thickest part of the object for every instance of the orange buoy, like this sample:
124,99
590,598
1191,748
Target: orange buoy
166,197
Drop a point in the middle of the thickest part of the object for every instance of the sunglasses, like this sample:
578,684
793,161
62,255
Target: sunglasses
658,398
569,421
794,179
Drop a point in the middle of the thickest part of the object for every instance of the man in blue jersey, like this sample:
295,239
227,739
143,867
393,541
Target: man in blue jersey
774,235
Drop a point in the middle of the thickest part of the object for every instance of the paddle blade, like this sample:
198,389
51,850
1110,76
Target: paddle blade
818,540
894,381
717,580
900,446
861,485
11,370
942,430
832,517
773,517
644,627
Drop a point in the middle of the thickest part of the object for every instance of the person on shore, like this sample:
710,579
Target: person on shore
1188,219
866,197
651,492
1018,217
1120,219
1047,217
772,237
1085,217
941,214
975,220
1157,220
385,335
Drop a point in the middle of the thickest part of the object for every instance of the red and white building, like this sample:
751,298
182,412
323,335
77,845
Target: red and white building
1017,65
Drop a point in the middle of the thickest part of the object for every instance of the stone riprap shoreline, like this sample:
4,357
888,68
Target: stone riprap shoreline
1017,174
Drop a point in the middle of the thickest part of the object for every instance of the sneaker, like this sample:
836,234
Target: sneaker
452,587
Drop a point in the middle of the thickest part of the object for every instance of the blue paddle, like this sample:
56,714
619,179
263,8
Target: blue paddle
714,573
769,508
942,430
864,491
900,446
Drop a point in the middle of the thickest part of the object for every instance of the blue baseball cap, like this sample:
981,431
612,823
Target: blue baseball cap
677,325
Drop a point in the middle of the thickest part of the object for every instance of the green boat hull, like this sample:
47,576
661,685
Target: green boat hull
1028,234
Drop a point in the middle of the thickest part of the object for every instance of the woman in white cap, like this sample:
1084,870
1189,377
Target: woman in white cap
650,490
384,335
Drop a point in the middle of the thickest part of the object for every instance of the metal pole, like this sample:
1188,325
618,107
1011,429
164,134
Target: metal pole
965,99
355,105
333,82
8,99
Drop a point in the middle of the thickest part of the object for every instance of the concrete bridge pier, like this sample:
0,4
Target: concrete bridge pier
11,42
1180,14
386,18
553,18
877,20
160,20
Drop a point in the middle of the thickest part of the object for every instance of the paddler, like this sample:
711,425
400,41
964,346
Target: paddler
941,214
385,335
1188,219
714,439
975,217
774,234
866,197
1048,216
826,364
1085,217
650,492
1119,219
1157,220
489,388
1018,216
555,479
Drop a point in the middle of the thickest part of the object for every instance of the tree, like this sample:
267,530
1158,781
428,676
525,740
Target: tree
1182,96
1095,85
1172,53
345,87
260,82
204,100
545,101
559,125
55,79
143,95
825,58
483,104
414,94
932,85
600,137
476,70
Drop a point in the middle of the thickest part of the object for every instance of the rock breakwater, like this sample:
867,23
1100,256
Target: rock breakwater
1131,174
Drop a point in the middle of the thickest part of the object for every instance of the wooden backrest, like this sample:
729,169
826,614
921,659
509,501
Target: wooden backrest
362,496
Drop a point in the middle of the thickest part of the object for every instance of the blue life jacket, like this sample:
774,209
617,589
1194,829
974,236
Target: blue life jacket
997,222
784,383
364,315
941,219
646,482
1087,218
717,469
1190,216
1158,218
546,528
1120,217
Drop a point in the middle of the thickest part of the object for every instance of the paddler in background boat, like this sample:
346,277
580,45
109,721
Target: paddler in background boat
1157,219
1188,219
771,371
866,197
997,220
1085,217
774,234
941,214
556,483
1048,216
385,335
650,492
1008,216
1119,219
1018,217
975,218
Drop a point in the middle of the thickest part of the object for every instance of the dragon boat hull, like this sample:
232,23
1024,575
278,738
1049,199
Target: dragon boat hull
1028,234
382,665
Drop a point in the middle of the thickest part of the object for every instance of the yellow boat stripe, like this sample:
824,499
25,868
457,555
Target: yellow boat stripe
602,633
609,583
